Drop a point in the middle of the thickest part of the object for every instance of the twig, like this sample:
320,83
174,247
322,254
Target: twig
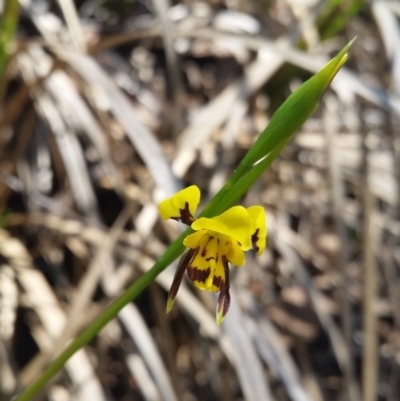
173,67
338,195
370,349
73,24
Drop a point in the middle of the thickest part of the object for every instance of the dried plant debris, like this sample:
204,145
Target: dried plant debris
108,108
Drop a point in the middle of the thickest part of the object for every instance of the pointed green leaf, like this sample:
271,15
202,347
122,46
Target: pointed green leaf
295,110
284,123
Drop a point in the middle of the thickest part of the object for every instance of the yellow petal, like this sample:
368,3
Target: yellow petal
193,240
232,250
206,270
259,234
181,206
235,222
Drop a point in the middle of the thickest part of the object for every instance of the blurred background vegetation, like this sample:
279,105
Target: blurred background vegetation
107,107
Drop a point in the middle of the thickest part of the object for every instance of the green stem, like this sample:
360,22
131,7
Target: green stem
209,209
247,180
175,249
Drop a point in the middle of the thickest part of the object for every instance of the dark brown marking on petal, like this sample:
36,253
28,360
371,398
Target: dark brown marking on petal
218,282
254,239
182,266
199,275
224,298
204,251
185,215
210,258
226,270
224,301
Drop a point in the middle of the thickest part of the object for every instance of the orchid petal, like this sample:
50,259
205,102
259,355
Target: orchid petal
259,235
235,222
193,240
231,250
176,282
206,270
224,298
182,206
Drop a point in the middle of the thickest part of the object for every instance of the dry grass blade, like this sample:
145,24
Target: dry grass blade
73,158
141,137
338,195
8,379
173,67
84,293
393,283
349,157
248,364
338,344
370,348
40,298
276,356
141,336
65,138
213,115
139,370
124,38
8,315
73,24
76,114
394,6
390,32
310,63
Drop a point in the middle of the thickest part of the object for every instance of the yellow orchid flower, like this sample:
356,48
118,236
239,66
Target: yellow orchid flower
218,242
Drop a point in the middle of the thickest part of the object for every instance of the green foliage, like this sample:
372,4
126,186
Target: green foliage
4,214
285,122
335,16
8,25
